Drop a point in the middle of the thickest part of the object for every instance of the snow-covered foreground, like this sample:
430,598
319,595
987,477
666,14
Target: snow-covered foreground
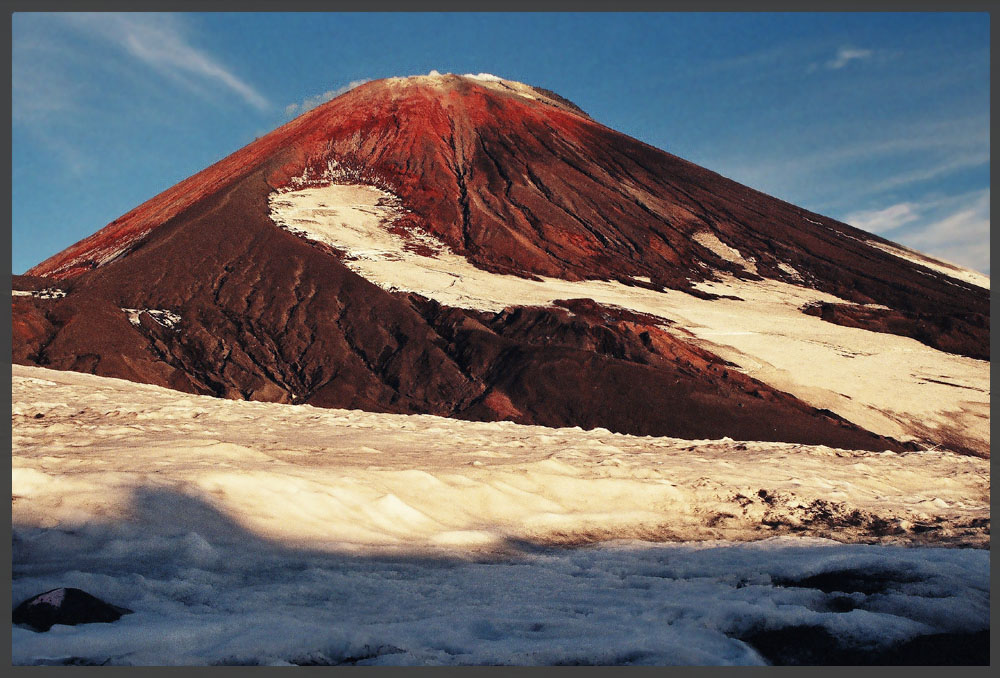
201,602
257,532
891,385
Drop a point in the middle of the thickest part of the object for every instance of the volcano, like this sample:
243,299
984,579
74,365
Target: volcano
477,248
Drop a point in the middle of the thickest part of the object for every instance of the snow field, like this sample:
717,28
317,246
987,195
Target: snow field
888,384
342,479
244,532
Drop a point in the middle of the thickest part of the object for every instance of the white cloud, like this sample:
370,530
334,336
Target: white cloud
845,55
888,219
962,237
158,41
954,228
314,101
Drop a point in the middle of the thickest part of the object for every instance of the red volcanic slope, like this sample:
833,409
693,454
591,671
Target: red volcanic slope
535,186
517,184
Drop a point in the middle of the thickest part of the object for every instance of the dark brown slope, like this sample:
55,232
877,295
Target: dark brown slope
328,337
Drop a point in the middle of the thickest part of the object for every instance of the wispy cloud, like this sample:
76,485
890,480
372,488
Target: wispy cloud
883,220
946,166
962,237
36,92
953,228
958,142
846,55
75,77
312,102
39,85
843,57
159,41
845,172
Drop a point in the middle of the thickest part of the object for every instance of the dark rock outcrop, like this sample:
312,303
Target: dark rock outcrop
70,606
966,334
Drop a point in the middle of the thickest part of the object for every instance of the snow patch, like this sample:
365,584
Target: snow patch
791,271
165,318
485,77
711,242
354,218
437,79
47,293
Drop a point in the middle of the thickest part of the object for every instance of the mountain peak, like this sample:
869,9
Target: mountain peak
452,82
471,246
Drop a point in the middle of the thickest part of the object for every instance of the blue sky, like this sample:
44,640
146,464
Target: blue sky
880,120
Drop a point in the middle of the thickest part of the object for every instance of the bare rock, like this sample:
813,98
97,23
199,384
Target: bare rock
68,606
